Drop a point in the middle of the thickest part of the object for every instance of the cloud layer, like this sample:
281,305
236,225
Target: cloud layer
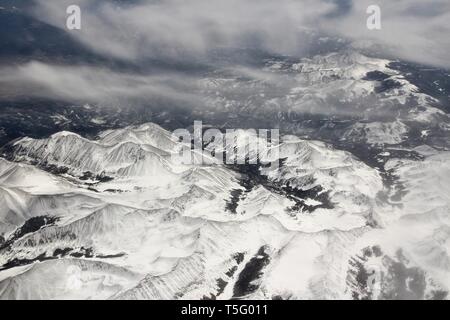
177,28
411,29
93,84
414,30
139,30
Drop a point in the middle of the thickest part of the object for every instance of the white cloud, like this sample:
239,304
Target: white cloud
93,84
178,27
411,29
415,30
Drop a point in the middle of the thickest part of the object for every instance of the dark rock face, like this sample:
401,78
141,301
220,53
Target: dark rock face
31,225
251,176
247,279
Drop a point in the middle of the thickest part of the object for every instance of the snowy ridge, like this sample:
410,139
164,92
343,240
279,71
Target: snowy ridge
161,222
345,85
194,232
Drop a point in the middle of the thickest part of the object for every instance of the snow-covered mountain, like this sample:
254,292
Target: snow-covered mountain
158,228
117,217
357,209
358,98
94,203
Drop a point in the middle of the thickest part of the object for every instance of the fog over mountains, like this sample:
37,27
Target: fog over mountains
94,206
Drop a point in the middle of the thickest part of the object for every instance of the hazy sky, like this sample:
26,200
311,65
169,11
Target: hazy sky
411,29
138,30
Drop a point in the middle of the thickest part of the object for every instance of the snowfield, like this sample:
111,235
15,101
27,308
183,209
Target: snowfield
358,208
159,229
